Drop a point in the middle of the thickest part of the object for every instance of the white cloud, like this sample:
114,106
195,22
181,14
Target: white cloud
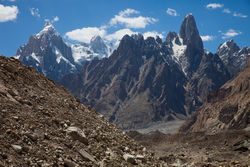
128,12
152,34
85,34
214,6
8,13
171,12
35,12
226,11
239,15
230,33
56,19
207,38
119,34
124,18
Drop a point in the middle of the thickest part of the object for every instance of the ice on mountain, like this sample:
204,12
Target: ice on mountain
33,55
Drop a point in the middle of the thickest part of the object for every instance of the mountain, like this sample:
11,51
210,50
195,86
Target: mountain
49,54
148,80
99,46
96,49
226,108
194,46
132,75
44,125
233,57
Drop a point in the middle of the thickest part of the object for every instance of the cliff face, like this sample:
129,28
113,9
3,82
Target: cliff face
226,108
44,125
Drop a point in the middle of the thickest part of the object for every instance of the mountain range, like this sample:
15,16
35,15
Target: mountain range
143,80
52,56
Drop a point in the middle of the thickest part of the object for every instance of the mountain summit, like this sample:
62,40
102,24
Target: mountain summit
233,57
99,46
48,29
191,38
189,32
48,53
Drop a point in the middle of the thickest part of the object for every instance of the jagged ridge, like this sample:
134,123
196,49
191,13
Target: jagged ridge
147,80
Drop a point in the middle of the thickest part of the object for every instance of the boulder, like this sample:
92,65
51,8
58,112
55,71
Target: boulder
130,158
87,156
77,134
16,147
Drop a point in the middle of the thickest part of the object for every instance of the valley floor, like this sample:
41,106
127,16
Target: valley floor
164,127
231,148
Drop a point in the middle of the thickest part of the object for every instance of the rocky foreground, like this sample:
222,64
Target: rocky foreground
225,149
44,125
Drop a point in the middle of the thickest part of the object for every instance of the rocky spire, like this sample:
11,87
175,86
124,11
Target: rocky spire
189,32
191,38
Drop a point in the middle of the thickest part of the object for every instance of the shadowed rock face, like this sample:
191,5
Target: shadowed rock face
44,125
130,86
190,35
189,32
226,108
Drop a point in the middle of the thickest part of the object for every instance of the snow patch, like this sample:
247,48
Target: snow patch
81,53
224,45
178,53
17,56
33,55
60,57
178,50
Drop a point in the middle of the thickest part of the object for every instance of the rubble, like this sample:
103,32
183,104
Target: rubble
42,124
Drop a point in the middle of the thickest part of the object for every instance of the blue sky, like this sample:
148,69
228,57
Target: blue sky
79,20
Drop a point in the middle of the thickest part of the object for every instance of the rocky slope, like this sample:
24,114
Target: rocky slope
50,55
148,80
44,125
226,108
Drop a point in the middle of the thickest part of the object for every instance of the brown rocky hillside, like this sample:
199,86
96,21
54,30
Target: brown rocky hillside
226,108
44,125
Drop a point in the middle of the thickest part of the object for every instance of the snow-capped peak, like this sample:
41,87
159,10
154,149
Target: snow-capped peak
96,38
226,44
47,29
